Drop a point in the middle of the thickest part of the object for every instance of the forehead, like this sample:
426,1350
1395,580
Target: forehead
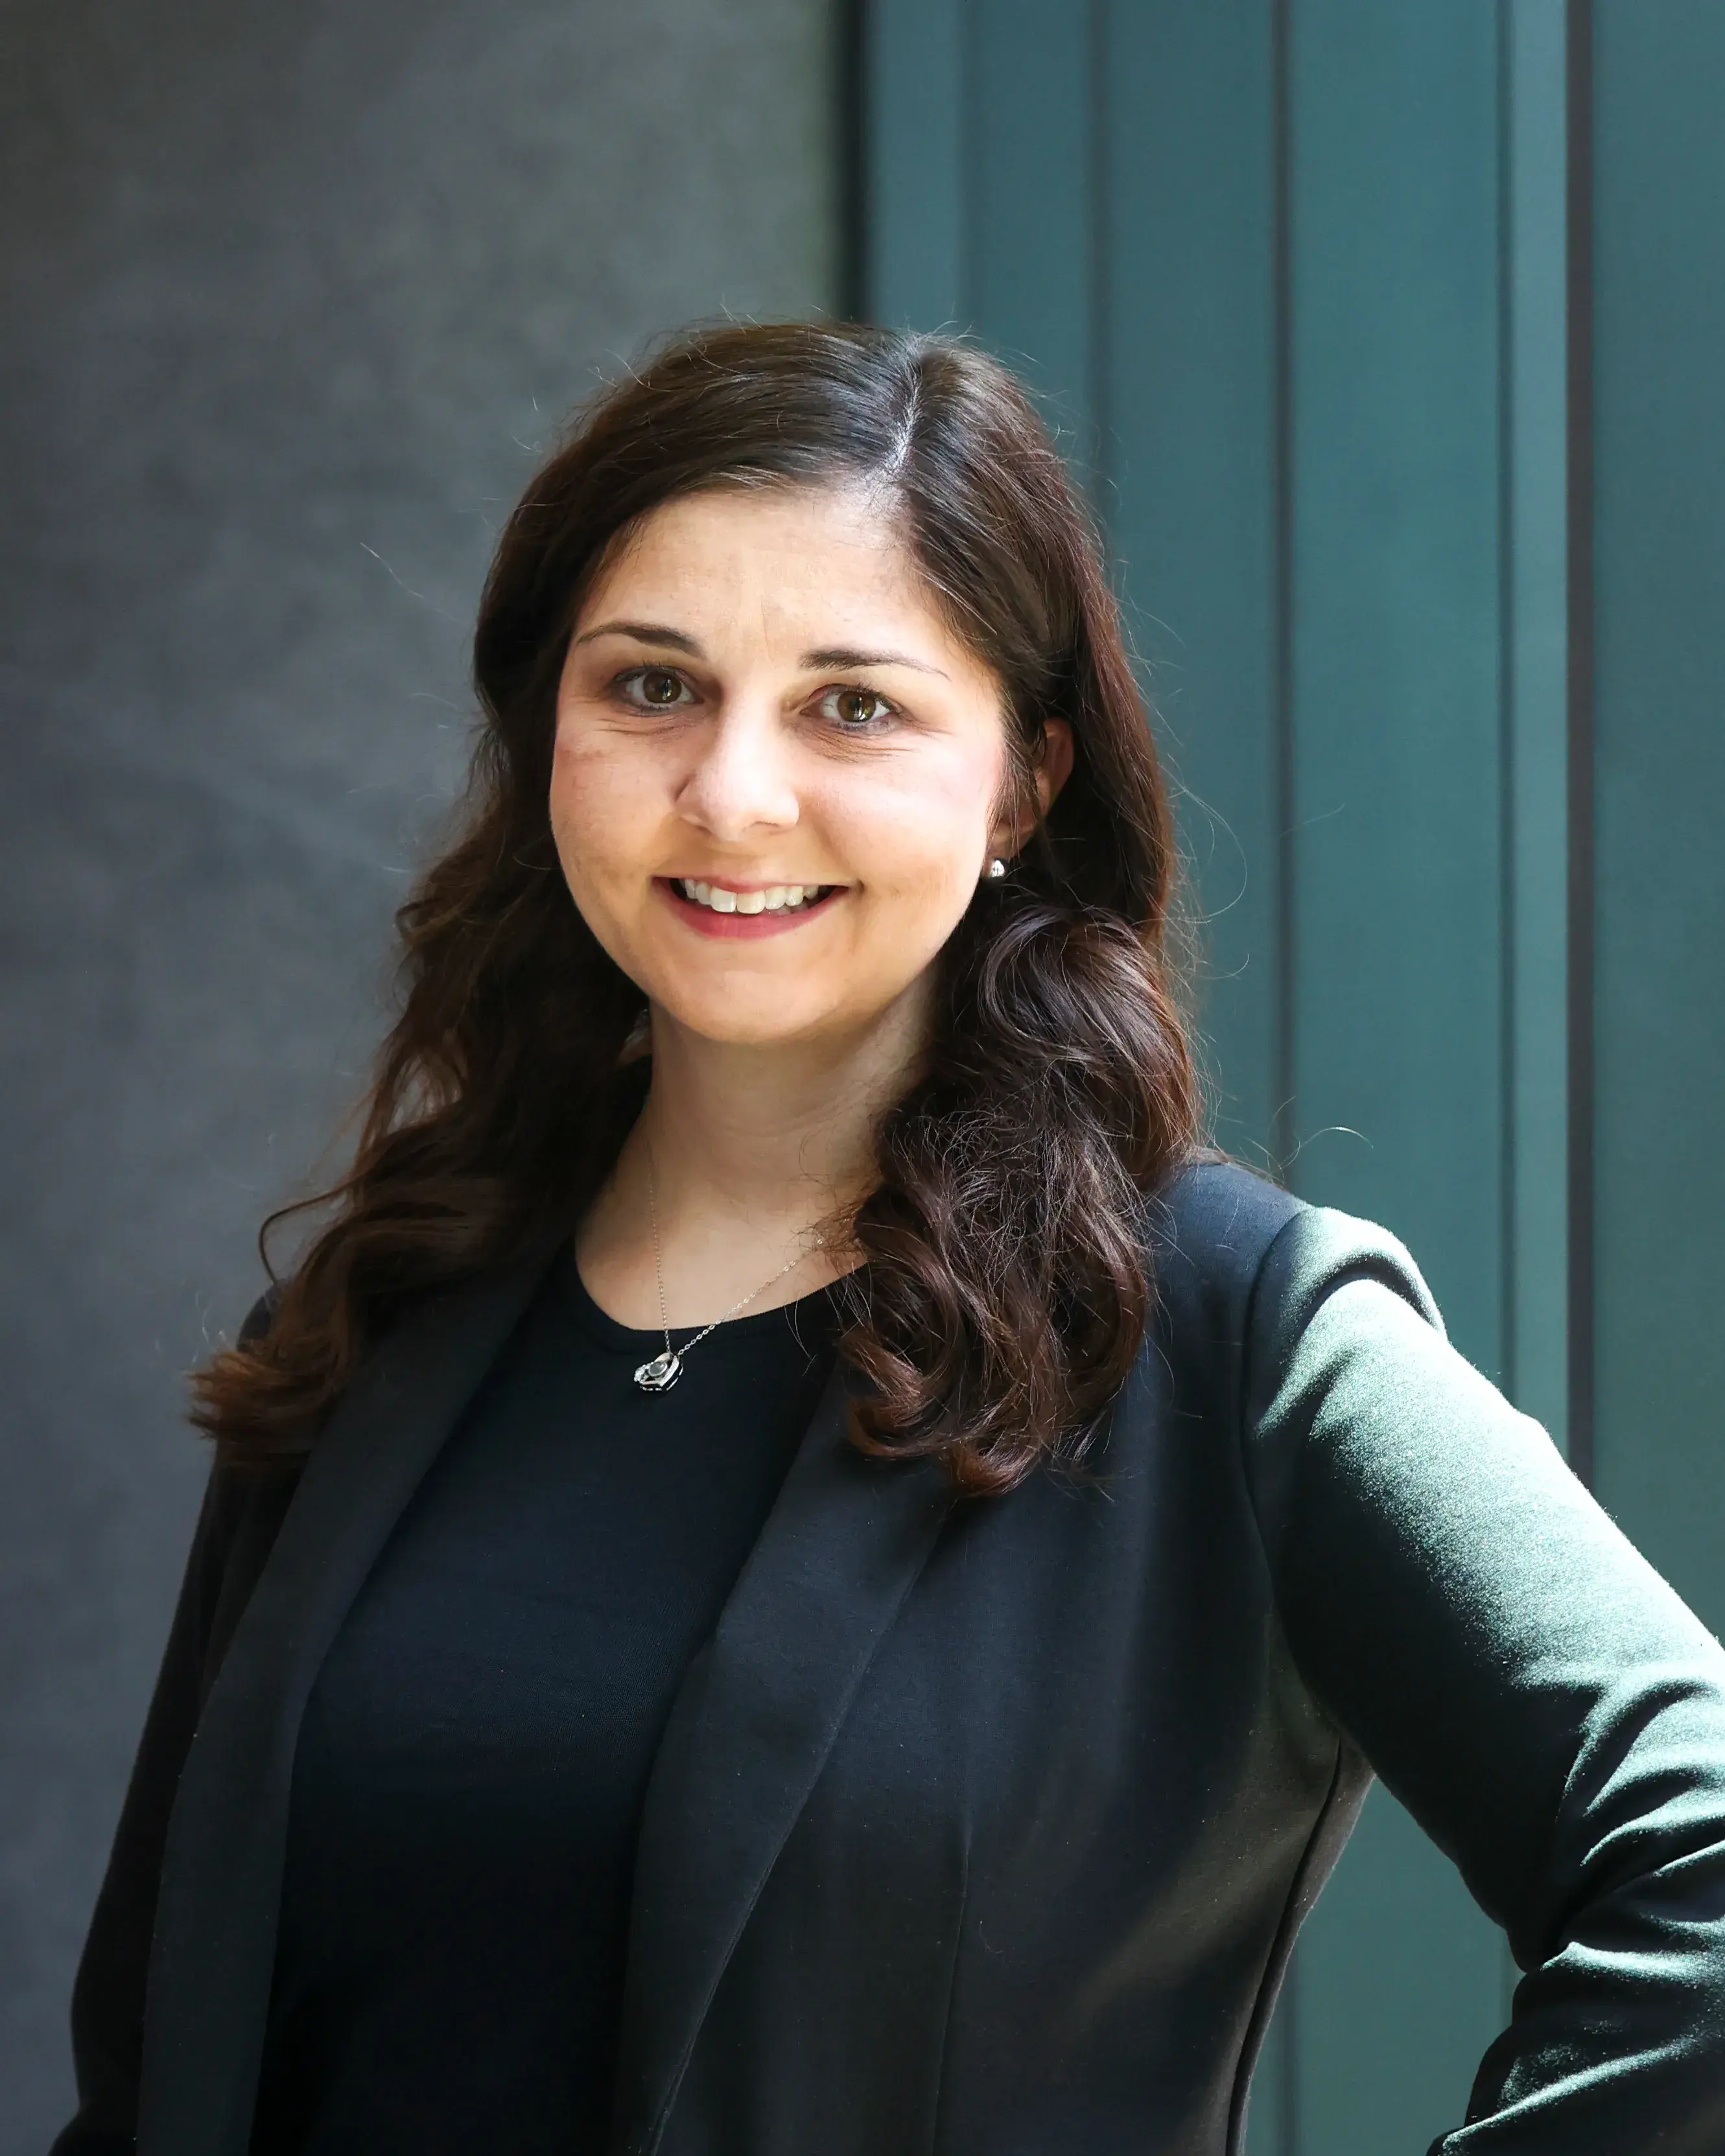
782,558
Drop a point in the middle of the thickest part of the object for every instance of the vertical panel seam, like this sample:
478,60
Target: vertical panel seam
1099,239
1508,767
1283,1133
968,121
853,296
1508,685
1579,484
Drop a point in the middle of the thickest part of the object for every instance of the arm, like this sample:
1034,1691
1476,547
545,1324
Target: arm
108,1997
235,1530
1539,1699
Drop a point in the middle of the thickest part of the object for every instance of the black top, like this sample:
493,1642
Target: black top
469,1774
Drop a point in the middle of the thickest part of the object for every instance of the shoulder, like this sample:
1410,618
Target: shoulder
1214,1216
242,1514
260,1316
1240,1266
1207,1230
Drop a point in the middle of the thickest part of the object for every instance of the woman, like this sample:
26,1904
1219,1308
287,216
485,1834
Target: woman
796,1567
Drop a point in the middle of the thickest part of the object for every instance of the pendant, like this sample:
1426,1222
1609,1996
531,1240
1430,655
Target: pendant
660,1374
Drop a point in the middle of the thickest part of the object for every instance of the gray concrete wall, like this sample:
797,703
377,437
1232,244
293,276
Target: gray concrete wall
290,293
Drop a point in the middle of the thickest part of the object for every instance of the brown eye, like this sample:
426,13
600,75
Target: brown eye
856,710
660,687
655,688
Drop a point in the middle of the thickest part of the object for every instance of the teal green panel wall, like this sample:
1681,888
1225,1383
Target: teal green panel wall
1659,589
1533,422
1030,79
1188,381
913,156
1397,806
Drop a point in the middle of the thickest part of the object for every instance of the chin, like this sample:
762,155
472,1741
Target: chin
746,1029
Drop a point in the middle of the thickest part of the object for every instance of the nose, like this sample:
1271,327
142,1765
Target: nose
740,782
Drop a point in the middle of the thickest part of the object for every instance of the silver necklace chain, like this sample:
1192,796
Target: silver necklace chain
663,1372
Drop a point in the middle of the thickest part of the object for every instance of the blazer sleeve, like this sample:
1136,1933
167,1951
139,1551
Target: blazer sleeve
1544,1705
236,1527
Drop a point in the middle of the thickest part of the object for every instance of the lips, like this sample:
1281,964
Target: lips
752,914
768,898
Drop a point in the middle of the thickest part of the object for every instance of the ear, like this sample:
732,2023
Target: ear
1053,769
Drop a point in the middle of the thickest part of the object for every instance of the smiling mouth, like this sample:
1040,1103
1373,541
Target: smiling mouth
777,898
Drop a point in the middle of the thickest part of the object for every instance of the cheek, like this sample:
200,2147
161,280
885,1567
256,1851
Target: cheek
596,801
920,832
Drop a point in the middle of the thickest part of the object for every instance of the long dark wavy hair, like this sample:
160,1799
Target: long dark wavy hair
1006,1288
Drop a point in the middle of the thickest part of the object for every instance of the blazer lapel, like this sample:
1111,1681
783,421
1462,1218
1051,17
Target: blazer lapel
213,1952
750,1732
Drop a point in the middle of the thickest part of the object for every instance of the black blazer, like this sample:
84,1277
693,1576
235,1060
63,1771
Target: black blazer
985,1827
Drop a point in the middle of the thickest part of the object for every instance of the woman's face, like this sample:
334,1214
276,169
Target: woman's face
778,775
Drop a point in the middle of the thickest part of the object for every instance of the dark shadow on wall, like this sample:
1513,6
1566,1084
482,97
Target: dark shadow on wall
293,296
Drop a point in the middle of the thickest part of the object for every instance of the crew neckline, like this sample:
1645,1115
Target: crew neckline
609,1333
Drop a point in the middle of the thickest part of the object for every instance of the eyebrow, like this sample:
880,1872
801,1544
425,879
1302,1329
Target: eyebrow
674,639
848,655
646,632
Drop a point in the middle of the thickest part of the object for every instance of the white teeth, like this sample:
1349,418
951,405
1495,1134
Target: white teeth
776,898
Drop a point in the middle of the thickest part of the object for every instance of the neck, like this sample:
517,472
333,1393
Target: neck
768,1133
751,1147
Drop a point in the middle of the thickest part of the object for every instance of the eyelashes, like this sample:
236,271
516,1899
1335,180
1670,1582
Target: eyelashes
637,677
850,723
665,688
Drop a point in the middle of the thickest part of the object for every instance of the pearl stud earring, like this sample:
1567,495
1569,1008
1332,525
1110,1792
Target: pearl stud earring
997,868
